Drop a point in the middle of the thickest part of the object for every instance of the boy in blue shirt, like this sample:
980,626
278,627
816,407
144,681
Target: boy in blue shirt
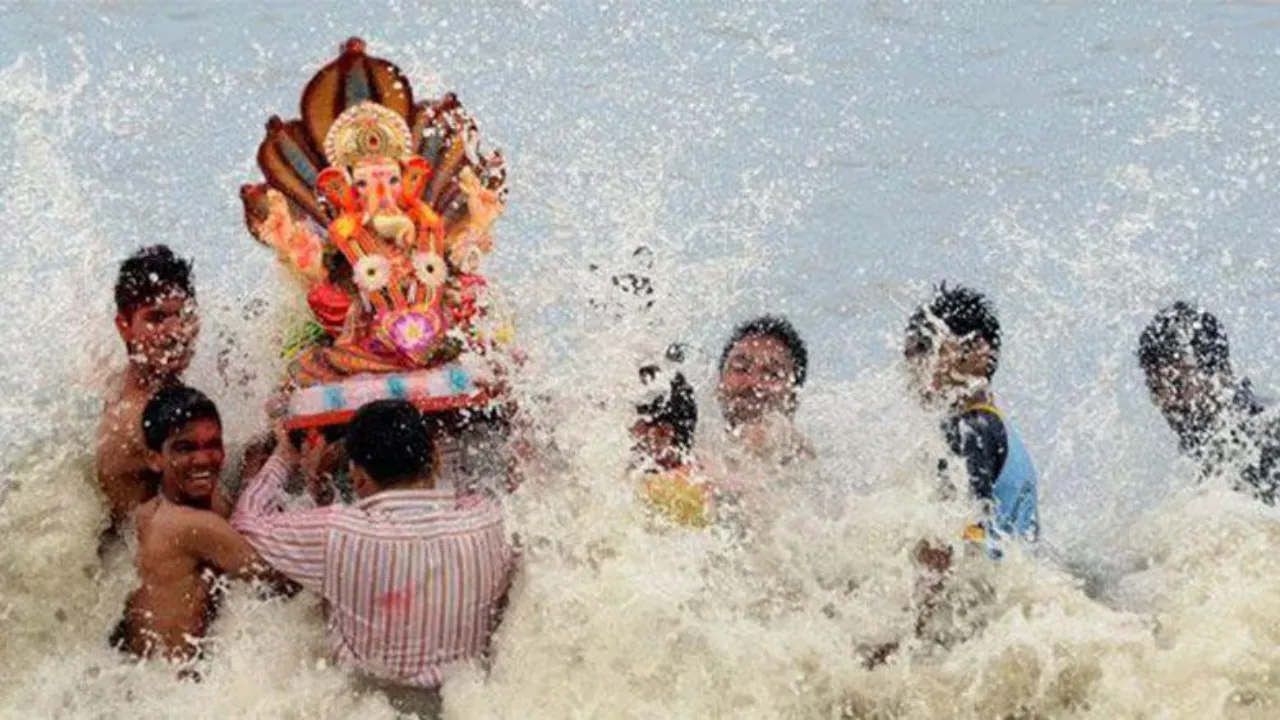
952,351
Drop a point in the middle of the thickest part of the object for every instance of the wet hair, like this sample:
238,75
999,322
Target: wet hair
1180,332
778,328
172,408
150,274
965,313
391,441
676,408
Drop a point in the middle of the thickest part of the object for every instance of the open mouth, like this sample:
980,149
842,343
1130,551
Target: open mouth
202,481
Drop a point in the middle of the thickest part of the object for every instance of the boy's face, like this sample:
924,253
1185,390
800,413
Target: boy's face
758,379
161,335
939,363
190,462
1186,395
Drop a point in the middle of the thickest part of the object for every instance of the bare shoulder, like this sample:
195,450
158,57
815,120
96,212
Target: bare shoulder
120,429
164,518
181,516
116,399
186,529
152,526
158,517
147,512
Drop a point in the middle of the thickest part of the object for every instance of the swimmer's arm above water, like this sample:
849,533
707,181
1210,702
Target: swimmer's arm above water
255,455
934,559
121,484
263,493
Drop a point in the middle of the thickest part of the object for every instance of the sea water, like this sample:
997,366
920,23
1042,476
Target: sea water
1081,162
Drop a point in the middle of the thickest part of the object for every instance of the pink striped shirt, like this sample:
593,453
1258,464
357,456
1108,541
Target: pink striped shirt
413,578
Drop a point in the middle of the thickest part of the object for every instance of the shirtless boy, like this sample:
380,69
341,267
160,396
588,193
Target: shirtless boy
156,318
182,545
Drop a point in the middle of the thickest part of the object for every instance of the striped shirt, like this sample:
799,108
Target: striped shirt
412,578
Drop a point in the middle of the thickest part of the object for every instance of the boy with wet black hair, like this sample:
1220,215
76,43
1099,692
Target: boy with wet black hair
182,545
663,433
952,351
666,420
1219,421
762,367
156,319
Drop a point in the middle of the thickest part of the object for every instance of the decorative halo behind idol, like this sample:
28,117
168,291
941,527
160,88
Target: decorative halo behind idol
383,207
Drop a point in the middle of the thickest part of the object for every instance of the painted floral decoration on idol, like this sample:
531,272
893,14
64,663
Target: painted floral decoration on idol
383,208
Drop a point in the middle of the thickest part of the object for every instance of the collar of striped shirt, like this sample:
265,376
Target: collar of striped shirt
392,500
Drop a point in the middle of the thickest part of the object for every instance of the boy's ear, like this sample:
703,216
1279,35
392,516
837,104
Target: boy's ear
155,461
360,481
122,326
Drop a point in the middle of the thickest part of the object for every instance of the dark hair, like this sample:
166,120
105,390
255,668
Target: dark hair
1177,329
390,440
965,312
171,408
150,274
676,408
778,328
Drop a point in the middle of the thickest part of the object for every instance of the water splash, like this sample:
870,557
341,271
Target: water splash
793,156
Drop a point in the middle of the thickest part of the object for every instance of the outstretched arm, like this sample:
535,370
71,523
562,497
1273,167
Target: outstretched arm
211,539
294,543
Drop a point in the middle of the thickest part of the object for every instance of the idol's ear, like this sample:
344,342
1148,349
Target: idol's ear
333,186
257,208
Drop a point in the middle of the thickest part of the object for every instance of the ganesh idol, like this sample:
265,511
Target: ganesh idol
383,209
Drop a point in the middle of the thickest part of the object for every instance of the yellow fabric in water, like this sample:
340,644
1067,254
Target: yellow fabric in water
674,496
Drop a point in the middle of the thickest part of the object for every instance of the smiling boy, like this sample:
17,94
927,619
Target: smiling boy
182,545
